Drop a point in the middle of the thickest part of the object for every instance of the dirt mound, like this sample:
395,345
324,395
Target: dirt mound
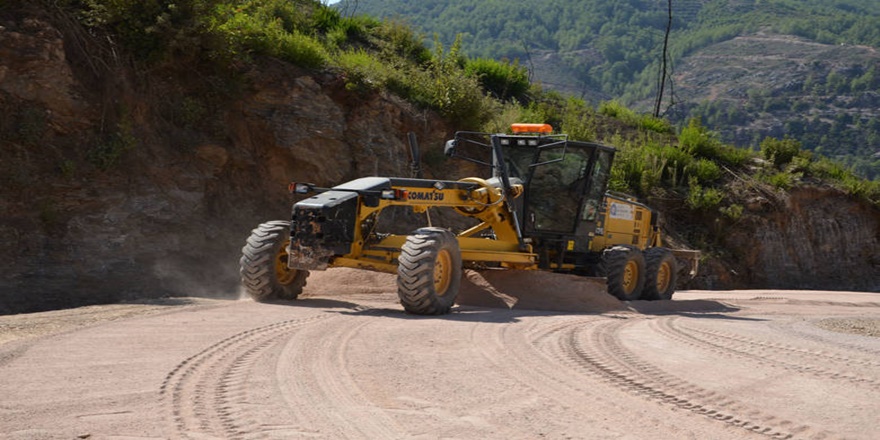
511,289
507,289
536,290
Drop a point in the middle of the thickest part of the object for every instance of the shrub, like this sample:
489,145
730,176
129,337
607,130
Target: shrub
733,212
732,155
780,152
781,180
703,199
657,125
246,33
697,141
503,80
401,41
362,70
301,50
145,28
579,121
614,109
826,168
455,94
703,170
325,19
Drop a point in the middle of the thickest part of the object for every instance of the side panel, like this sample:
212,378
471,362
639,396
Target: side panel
625,222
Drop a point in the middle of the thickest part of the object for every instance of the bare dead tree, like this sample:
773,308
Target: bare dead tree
661,77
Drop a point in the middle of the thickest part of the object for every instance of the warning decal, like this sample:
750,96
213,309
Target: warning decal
621,211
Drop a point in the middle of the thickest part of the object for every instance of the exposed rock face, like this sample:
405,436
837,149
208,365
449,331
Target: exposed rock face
33,67
816,239
171,214
98,209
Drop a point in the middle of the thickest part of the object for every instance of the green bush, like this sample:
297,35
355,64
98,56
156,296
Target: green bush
657,125
503,80
299,49
703,199
733,212
642,169
782,180
846,180
455,94
401,41
733,156
229,30
362,70
255,33
616,110
697,141
827,168
325,19
579,122
703,170
780,151
146,28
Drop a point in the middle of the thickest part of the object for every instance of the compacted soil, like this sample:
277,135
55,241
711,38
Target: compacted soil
345,361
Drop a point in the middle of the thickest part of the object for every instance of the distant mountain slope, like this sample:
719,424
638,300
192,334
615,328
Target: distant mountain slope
602,50
759,85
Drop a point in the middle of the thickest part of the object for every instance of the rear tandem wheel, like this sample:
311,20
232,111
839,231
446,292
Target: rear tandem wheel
662,274
624,267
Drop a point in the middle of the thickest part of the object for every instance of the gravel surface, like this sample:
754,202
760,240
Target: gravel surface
345,361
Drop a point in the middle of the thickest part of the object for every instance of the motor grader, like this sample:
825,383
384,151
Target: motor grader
542,205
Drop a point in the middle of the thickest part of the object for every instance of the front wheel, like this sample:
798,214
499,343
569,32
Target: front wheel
263,265
624,267
662,274
429,272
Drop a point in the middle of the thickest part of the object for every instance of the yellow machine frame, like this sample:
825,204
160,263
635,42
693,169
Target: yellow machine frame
486,203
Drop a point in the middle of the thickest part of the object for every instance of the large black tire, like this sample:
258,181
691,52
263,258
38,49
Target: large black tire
429,272
624,267
662,274
264,272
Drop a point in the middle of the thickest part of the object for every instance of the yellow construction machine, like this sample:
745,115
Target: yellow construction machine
543,205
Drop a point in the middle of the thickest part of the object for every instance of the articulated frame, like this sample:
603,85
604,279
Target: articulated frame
471,197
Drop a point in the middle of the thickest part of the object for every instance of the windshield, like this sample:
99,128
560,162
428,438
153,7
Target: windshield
556,186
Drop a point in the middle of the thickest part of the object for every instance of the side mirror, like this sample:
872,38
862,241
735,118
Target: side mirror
449,150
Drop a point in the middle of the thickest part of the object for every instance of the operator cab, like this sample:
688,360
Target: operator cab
564,181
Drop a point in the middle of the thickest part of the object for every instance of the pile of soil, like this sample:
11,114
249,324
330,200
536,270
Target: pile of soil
536,290
506,289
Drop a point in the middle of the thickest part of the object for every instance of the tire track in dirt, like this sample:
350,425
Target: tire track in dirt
542,358
810,332
316,383
788,357
597,350
206,393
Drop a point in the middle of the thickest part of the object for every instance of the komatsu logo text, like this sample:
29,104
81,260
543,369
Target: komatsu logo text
429,196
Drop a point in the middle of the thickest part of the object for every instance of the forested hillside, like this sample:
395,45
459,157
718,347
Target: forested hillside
826,96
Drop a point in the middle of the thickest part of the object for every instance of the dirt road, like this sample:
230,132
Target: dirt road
720,365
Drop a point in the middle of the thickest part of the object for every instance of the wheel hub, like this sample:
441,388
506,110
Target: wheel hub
630,277
284,274
442,269
664,274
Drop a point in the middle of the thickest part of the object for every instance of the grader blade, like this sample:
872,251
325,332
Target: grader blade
536,290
